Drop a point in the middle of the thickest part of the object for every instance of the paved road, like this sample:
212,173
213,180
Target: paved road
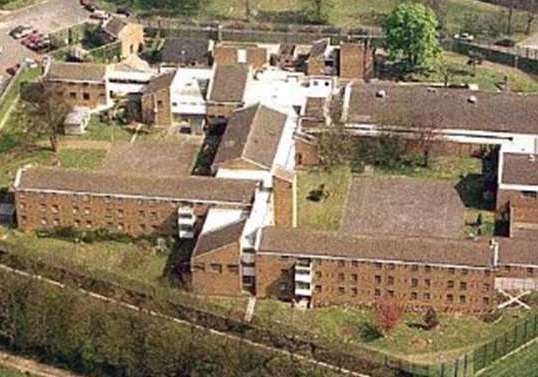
47,17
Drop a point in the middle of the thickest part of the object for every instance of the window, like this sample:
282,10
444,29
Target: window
318,274
341,290
452,270
77,223
318,288
56,222
354,277
463,286
216,267
87,210
233,269
43,207
199,267
159,104
284,257
427,269
449,298
86,96
88,224
414,267
283,286
450,284
143,227
354,263
391,266
427,283
378,265
529,194
390,280
55,208
141,213
507,268
121,226
462,300
154,215
73,95
414,295
426,296
377,293
485,300
390,293
377,279
530,271
341,263
341,277
414,283
120,213
284,271
354,291
464,272
486,286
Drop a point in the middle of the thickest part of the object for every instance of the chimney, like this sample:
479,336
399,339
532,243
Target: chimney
494,246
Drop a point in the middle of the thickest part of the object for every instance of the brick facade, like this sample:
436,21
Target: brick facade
84,94
157,108
341,281
283,202
306,153
217,273
132,39
316,66
356,61
135,217
222,111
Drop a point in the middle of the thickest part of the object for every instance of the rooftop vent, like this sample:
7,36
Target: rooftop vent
472,99
381,94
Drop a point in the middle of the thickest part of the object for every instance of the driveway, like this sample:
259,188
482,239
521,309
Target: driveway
47,17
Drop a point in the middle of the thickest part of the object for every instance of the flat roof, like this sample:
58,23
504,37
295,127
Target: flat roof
403,206
447,108
520,169
424,250
202,189
154,159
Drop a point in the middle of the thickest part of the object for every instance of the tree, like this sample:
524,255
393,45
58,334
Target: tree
47,114
439,7
430,319
388,314
316,11
531,7
411,36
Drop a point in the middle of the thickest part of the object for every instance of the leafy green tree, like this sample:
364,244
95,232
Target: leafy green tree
411,36
316,11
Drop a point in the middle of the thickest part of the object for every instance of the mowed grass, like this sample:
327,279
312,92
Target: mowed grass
4,372
325,214
348,328
81,159
521,364
488,76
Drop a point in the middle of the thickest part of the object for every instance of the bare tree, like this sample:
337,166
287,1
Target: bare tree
47,114
531,7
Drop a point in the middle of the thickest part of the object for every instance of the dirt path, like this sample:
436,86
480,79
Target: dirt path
30,367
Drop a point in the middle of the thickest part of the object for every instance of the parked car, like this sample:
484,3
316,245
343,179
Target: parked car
465,37
505,42
124,12
21,31
13,70
100,15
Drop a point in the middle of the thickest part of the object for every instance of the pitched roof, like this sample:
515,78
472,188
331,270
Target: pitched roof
229,82
210,241
314,107
297,241
185,51
103,183
76,72
114,26
403,206
450,108
253,133
514,251
319,47
161,82
520,169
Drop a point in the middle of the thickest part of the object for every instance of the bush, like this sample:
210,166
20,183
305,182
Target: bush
431,321
388,314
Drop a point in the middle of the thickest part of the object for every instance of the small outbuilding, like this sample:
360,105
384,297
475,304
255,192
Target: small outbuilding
77,120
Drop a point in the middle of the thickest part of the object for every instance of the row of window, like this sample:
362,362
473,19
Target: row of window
216,268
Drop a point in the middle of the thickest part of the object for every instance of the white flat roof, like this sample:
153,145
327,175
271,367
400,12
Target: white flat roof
218,218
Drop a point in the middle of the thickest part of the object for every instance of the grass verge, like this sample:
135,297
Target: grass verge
521,364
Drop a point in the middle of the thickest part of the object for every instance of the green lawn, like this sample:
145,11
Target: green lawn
13,94
488,76
348,327
104,131
522,364
82,159
4,372
325,214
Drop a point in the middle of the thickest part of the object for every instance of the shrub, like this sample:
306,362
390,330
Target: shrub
430,319
388,314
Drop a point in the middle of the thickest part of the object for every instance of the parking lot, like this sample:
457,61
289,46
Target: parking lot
46,17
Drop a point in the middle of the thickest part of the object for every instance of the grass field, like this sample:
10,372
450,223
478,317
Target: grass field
4,372
522,364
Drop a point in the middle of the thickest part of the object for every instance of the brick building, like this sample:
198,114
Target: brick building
229,54
356,61
186,52
156,101
321,60
329,268
226,90
79,84
46,198
129,34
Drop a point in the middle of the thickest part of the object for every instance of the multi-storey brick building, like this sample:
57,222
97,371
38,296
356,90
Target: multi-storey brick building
46,198
79,84
329,268
226,90
156,101
129,34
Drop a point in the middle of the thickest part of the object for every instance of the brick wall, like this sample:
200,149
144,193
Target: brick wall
283,202
156,108
316,66
363,283
217,273
306,154
131,38
221,110
80,94
131,216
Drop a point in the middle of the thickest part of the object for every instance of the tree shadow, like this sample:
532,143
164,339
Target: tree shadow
368,332
177,267
471,189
